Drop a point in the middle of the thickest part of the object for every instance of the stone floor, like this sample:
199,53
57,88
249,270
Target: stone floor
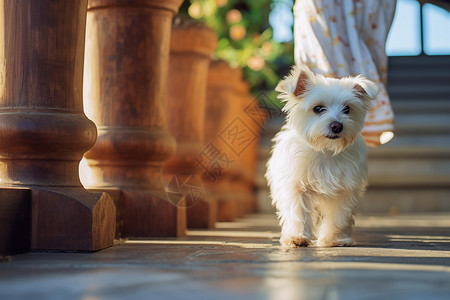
396,257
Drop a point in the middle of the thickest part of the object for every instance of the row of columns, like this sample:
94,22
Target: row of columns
168,141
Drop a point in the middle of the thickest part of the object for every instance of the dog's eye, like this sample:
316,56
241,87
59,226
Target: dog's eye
346,110
319,109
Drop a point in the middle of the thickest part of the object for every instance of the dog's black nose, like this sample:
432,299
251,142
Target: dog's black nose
336,127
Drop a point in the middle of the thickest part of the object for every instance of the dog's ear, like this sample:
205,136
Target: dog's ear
300,88
295,83
365,89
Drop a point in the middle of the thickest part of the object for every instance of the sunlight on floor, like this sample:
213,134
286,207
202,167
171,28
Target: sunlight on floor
419,238
327,265
206,243
402,221
249,234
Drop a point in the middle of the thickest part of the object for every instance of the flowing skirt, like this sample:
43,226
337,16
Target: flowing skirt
347,37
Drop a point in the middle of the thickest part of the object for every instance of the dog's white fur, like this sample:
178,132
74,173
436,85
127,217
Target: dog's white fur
315,181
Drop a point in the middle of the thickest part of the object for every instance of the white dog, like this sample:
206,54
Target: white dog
318,168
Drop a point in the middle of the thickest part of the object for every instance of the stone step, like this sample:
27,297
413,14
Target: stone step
438,124
400,200
405,78
430,76
418,64
419,70
409,171
418,92
419,78
428,107
413,146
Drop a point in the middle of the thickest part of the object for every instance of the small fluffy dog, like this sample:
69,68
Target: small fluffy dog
318,167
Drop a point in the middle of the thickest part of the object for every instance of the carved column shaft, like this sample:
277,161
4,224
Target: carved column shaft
221,150
253,118
127,57
192,44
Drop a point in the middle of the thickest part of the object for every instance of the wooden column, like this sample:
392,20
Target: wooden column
43,130
127,57
253,117
220,151
192,44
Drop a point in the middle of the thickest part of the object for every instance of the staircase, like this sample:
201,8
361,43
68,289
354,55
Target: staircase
412,172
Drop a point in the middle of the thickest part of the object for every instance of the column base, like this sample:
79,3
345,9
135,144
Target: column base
227,208
116,196
203,214
15,227
149,213
226,202
71,219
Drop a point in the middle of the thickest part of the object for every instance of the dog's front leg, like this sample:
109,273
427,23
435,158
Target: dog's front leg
296,221
336,225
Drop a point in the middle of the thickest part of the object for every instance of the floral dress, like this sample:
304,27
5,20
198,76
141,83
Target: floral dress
347,37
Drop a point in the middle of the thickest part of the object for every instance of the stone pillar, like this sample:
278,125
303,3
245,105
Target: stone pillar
43,130
219,156
127,57
192,44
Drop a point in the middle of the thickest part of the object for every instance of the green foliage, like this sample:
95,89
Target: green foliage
245,38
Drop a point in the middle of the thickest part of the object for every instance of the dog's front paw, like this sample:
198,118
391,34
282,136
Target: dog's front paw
343,242
294,242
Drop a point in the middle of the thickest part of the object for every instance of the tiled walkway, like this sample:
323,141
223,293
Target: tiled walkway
401,257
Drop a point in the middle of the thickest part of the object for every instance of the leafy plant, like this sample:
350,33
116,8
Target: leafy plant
245,38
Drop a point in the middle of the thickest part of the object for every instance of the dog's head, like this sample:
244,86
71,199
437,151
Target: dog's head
327,112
